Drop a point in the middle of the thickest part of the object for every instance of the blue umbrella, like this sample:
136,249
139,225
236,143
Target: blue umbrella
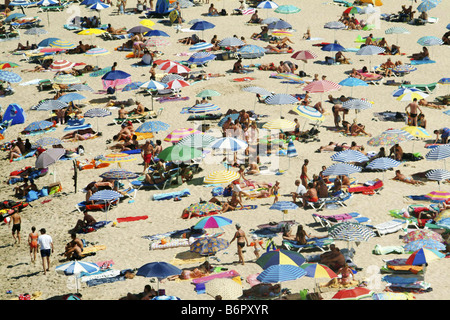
201,57
119,174
89,2
280,24
133,86
69,97
338,169
283,206
427,5
152,126
13,16
291,151
229,143
105,195
430,41
46,42
438,175
353,82
116,74
99,6
47,3
202,25
233,117
159,270
153,85
439,153
9,76
370,50
231,42
38,125
251,51
333,47
349,156
280,273
156,33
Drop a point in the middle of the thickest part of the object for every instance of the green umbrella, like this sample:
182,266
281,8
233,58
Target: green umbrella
208,93
179,153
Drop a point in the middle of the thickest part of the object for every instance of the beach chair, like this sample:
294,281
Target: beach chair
173,176
336,200
330,61
367,188
45,84
312,243
330,220
428,88
391,226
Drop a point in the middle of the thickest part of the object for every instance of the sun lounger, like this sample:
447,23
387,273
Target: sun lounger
173,243
226,274
428,88
366,188
312,243
97,206
329,220
138,184
337,200
391,226
379,250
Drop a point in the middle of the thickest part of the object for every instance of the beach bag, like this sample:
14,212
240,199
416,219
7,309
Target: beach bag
31,196
223,12
43,192
302,73
110,90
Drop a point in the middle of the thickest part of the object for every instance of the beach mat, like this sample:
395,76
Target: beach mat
92,249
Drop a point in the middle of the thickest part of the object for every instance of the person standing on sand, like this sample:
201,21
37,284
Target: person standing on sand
45,243
413,114
304,175
241,242
33,243
147,154
16,220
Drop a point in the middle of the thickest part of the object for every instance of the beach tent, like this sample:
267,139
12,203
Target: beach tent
374,2
161,8
15,113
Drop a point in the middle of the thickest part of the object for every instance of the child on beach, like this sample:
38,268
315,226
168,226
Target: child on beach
275,190
257,243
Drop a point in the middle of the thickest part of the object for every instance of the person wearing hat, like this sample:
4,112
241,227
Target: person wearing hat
242,240
45,243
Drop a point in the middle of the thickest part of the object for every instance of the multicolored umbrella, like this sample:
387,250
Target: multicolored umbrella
132,86
309,113
178,134
119,174
280,273
401,91
209,246
439,196
117,158
157,42
212,222
422,234
417,132
280,257
203,208
427,5
115,78
353,10
152,126
201,58
38,126
153,85
9,76
203,108
423,243
6,65
423,256
410,96
389,138
221,177
353,294
62,44
47,141
267,5
66,79
180,153
317,270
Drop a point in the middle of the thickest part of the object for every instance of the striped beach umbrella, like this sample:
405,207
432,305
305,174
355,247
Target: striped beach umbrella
309,113
401,91
353,294
304,55
281,273
257,90
321,86
62,44
66,79
383,163
317,270
212,222
119,174
152,126
80,87
97,113
45,142
438,175
8,65
207,93
9,76
201,46
96,52
175,68
170,77
440,152
438,196
349,156
203,108
177,84
423,256
370,50
201,57
397,31
339,169
283,206
229,143
38,126
281,99
291,151
267,5
410,96
231,42
350,231
429,41
221,177
427,244
61,65
337,25
157,42
153,85
69,97
99,6
117,158
357,104
417,132
280,257
178,134
51,105
199,141
76,268
279,124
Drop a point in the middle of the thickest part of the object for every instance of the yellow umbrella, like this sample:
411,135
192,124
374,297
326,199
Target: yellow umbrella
117,158
279,124
147,23
417,132
282,33
91,31
221,176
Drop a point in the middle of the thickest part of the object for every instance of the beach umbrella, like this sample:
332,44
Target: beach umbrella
411,95
321,86
267,5
353,10
251,51
49,157
51,105
115,78
38,126
7,65
445,81
199,141
91,31
280,273
422,234
66,79
166,298
75,268
207,93
424,256
291,151
231,42
233,117
139,29
179,153
178,134
280,24
401,91
107,196
177,84
269,20
147,23
353,82
175,68
9,76
370,51
430,41
99,6
159,270
349,156
317,270
96,52
353,294
117,158
228,289
61,65
417,132
132,86
383,163
202,25
34,31
440,152
283,206
194,21
438,196
335,25
209,246
153,85
203,108
279,124
69,97
426,244
397,31
308,112
45,142
427,5
339,169
229,143
438,175
201,57
152,126
257,90
280,257
157,42
170,77
281,99
119,174
357,104
80,87
62,44
304,55
287,9
333,47
201,46
212,222
350,231
389,138
156,33
221,177
13,16
97,113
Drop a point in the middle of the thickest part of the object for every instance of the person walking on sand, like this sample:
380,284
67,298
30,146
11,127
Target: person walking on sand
33,243
16,220
45,243
275,191
242,240
304,175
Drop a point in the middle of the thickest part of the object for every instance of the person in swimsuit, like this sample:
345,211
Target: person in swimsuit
74,248
413,114
304,175
241,242
275,191
16,220
444,133
401,177
32,242
310,195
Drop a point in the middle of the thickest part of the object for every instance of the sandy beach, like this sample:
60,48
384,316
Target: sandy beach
125,242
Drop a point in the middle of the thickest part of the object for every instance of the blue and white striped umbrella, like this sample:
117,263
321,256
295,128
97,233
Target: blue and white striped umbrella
105,195
50,105
38,125
281,273
80,87
357,104
69,97
231,42
438,175
9,76
77,267
370,50
152,126
349,156
430,41
46,141
291,151
383,163
197,141
401,91
166,297
280,24
119,174
258,90
283,205
281,98
201,57
97,113
99,6
47,3
229,143
427,5
339,169
396,30
202,108
349,231
439,153
201,46
267,5
154,85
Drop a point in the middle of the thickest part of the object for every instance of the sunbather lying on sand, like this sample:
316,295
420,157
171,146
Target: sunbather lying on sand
401,177
333,146
425,103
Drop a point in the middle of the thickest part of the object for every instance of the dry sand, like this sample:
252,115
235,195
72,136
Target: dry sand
125,244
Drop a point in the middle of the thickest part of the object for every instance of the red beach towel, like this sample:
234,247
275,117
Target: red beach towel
128,219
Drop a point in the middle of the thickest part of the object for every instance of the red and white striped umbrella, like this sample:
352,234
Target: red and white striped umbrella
304,55
174,67
177,84
61,65
321,86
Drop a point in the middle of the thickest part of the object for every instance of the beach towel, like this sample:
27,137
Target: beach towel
419,62
171,195
92,249
226,274
128,219
379,250
28,155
